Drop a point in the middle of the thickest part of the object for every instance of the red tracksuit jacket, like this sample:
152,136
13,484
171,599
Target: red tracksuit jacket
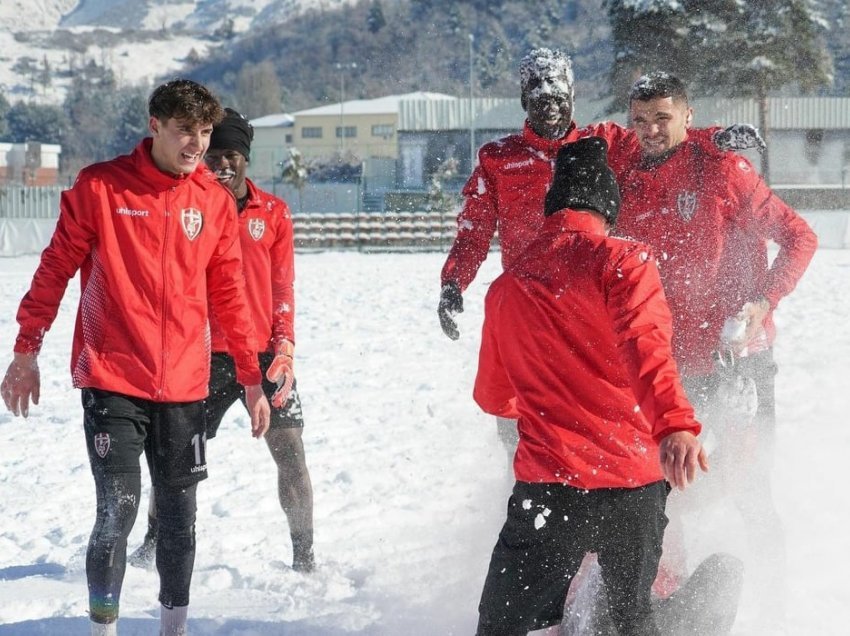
709,215
576,344
265,232
507,189
152,249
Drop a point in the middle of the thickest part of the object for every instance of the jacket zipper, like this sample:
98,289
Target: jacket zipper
164,301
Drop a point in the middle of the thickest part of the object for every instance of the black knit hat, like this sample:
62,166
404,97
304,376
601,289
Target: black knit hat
233,133
584,181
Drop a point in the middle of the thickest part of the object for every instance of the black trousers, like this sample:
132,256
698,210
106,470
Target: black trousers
549,529
118,429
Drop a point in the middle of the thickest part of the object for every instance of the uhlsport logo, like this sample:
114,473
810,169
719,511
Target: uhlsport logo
101,444
256,228
192,222
687,204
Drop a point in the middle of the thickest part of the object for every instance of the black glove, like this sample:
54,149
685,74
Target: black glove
739,137
451,304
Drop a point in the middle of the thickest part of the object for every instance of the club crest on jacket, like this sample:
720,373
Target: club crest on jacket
686,202
101,444
192,222
256,228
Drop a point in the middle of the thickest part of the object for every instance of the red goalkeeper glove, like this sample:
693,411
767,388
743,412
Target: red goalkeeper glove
281,372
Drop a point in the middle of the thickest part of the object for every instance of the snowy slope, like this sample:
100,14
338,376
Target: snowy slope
410,481
152,39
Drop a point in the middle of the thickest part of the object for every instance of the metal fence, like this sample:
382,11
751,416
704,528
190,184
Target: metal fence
23,202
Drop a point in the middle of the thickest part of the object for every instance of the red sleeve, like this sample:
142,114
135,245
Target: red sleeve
283,278
643,326
493,391
776,221
227,296
70,246
476,225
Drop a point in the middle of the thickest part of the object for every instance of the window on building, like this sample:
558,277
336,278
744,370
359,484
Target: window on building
383,130
287,138
350,131
311,132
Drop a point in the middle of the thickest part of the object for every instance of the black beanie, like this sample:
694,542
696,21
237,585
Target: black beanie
233,133
583,180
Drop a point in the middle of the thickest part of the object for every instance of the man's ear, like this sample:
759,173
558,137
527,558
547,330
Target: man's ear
153,125
689,117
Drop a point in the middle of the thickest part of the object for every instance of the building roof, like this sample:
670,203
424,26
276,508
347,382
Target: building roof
276,120
784,113
379,106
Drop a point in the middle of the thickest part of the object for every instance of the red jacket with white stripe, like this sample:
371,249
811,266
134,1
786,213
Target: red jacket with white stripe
576,344
265,231
153,250
507,189
709,216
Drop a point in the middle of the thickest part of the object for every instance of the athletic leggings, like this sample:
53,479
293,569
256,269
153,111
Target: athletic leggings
107,549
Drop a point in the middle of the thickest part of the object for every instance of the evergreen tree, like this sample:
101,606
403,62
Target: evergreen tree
649,35
727,47
375,20
4,110
90,108
131,120
294,172
35,122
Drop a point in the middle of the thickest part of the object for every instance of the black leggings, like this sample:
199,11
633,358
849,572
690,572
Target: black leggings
117,505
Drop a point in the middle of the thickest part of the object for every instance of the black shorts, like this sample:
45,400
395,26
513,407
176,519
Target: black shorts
550,528
225,390
171,434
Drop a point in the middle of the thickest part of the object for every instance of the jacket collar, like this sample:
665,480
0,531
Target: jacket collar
568,220
549,146
143,161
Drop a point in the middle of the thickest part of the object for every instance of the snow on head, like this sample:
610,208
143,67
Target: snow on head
648,82
555,66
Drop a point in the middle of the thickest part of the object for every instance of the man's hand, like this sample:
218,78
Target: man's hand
754,313
680,454
451,304
22,384
258,409
739,137
281,371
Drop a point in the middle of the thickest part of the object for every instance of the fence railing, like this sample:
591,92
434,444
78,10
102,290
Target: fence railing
24,202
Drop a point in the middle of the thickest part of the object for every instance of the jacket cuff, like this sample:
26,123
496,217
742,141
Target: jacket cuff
248,369
28,342
284,347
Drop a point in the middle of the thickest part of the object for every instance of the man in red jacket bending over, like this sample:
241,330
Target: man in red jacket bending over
155,239
265,232
576,345
711,216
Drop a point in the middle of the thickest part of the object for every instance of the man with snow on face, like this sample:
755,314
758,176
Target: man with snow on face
156,242
711,215
266,236
576,345
507,187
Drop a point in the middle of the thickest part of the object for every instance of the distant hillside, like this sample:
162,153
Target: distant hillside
406,45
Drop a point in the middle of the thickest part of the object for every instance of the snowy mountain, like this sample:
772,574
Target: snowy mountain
42,42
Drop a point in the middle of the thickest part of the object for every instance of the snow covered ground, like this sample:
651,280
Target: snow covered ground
410,480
